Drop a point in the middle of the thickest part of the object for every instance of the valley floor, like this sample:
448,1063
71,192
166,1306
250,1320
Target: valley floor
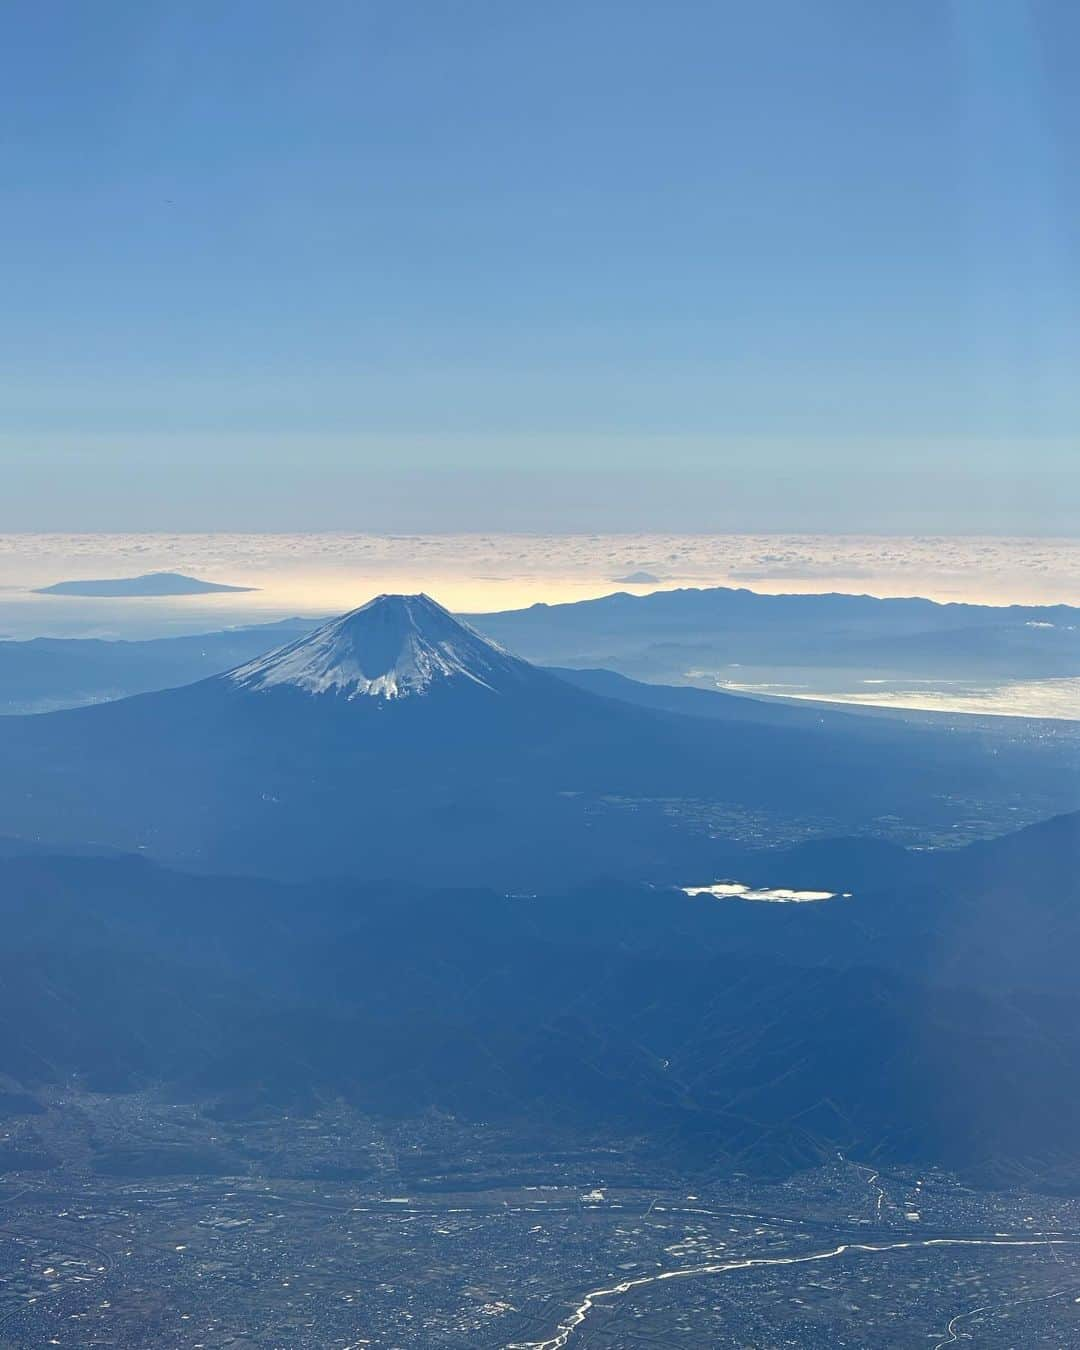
130,1221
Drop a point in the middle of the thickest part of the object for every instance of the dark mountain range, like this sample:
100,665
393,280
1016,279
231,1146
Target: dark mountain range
149,584
398,742
868,636
729,1033
664,634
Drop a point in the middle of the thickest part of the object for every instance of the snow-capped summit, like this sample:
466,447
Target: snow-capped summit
392,647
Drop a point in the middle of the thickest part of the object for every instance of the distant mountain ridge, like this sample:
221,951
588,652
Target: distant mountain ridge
662,635
656,638
148,584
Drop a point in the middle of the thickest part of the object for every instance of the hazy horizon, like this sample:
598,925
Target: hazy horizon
329,572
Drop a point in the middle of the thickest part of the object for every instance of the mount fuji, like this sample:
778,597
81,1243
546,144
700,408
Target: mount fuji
398,742
393,647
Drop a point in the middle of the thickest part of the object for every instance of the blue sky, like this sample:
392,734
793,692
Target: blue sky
573,265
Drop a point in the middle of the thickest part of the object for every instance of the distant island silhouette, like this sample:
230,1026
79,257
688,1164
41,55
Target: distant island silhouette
637,579
150,583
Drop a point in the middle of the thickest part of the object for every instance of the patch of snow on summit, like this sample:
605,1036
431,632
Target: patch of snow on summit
392,647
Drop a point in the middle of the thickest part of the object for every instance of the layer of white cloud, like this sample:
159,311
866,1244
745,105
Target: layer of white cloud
494,568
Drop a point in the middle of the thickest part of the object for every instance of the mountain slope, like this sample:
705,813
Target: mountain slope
731,1034
689,701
